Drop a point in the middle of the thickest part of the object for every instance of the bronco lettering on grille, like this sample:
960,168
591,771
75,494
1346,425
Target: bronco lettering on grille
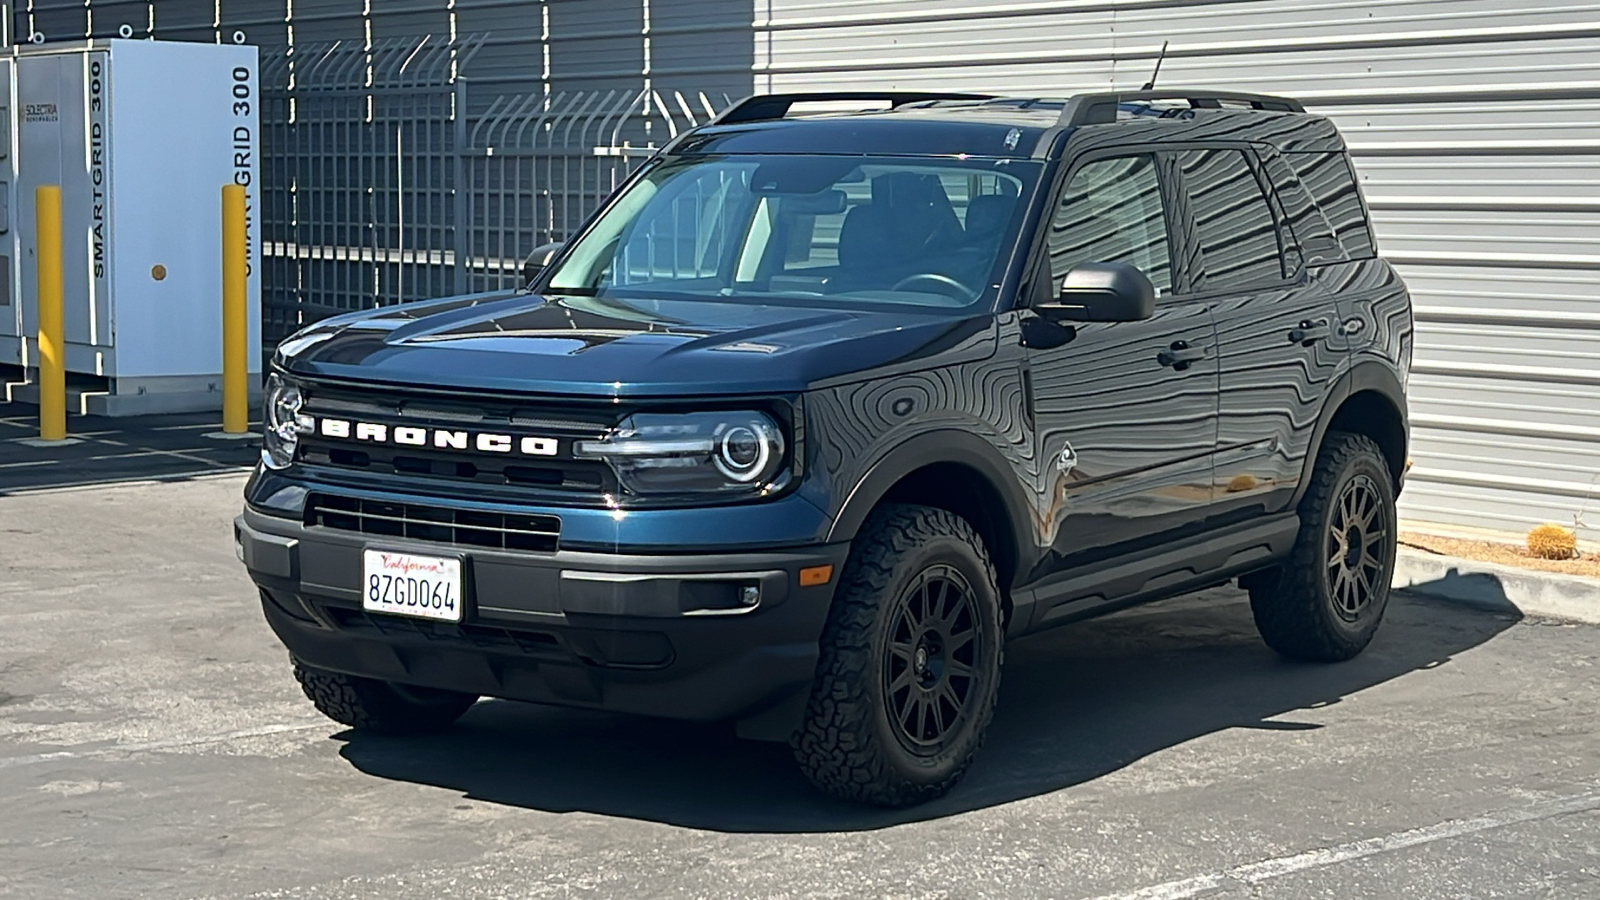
437,438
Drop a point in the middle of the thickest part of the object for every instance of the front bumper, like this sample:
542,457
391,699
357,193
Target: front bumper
652,635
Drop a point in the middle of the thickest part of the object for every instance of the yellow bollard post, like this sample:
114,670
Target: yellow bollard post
52,329
235,318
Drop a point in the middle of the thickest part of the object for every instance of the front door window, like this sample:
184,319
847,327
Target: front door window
1112,213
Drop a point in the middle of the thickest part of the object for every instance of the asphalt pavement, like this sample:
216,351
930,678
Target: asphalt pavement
102,450
153,744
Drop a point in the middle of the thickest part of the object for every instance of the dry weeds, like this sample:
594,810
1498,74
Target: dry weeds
1503,554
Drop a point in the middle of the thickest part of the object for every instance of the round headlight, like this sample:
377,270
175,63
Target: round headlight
285,407
283,423
742,454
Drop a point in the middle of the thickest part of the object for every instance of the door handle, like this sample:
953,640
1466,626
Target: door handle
1180,356
1309,332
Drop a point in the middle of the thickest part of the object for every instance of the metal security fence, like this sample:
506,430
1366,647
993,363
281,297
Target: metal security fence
359,150
379,187
537,166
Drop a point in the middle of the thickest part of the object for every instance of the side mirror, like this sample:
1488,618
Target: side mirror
1102,292
538,259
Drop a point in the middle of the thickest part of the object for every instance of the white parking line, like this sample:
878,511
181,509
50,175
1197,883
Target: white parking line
207,426
35,462
136,449
1255,873
84,435
120,749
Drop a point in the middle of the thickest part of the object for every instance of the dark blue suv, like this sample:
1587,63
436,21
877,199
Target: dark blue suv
820,410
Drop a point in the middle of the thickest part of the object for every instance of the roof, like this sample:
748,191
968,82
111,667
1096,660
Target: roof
924,124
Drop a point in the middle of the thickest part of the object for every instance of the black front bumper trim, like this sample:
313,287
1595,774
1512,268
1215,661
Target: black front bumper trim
672,636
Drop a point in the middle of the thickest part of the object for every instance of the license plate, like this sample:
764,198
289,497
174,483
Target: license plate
406,584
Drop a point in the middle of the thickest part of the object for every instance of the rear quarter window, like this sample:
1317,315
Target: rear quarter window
1234,224
1331,181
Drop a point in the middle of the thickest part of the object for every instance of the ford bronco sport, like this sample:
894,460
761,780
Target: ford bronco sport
818,411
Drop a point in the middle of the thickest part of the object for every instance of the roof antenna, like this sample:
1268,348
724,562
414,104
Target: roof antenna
1151,84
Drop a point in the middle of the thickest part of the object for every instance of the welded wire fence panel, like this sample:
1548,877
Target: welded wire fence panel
537,166
361,149
378,190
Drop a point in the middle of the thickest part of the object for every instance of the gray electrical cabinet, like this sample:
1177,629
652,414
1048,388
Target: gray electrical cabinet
140,136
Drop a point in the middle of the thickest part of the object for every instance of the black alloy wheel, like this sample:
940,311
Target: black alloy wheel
933,666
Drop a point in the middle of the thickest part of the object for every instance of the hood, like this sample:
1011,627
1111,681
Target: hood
525,343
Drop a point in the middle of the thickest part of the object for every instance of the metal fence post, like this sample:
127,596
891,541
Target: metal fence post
462,212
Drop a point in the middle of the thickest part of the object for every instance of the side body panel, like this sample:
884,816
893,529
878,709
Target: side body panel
1379,324
1273,389
1125,443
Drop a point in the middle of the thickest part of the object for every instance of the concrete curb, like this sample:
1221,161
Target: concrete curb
1505,588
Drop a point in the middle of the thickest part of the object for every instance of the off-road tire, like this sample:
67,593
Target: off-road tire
378,706
848,746
1298,606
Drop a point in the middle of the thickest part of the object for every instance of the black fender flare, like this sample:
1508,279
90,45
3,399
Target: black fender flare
1365,376
963,448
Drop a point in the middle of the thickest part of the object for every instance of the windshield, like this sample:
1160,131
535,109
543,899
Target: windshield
851,230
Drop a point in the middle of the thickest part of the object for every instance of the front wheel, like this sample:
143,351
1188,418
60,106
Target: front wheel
1327,600
380,706
910,665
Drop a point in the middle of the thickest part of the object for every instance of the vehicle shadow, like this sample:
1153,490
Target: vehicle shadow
1076,704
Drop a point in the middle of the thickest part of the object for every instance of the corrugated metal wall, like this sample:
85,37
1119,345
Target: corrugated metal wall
1476,126
1476,130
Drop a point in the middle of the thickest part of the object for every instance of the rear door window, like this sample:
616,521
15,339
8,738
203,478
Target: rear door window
1234,224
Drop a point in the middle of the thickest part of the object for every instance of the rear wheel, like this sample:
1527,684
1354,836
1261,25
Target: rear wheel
1326,602
910,664
380,706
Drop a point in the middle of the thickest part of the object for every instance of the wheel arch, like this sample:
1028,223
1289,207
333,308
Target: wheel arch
1367,400
956,471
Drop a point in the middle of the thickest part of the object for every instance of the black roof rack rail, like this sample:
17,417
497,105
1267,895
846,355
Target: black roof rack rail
1101,109
761,107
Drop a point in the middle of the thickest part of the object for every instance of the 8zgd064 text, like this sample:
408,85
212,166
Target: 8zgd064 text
411,585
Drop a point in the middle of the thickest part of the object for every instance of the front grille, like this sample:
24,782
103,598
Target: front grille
578,477
572,480
444,525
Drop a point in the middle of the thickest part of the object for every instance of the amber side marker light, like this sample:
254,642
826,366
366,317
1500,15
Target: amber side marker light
815,575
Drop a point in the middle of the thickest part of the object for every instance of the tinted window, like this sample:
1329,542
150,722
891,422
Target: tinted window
813,230
1332,183
1310,228
1112,211
1233,221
